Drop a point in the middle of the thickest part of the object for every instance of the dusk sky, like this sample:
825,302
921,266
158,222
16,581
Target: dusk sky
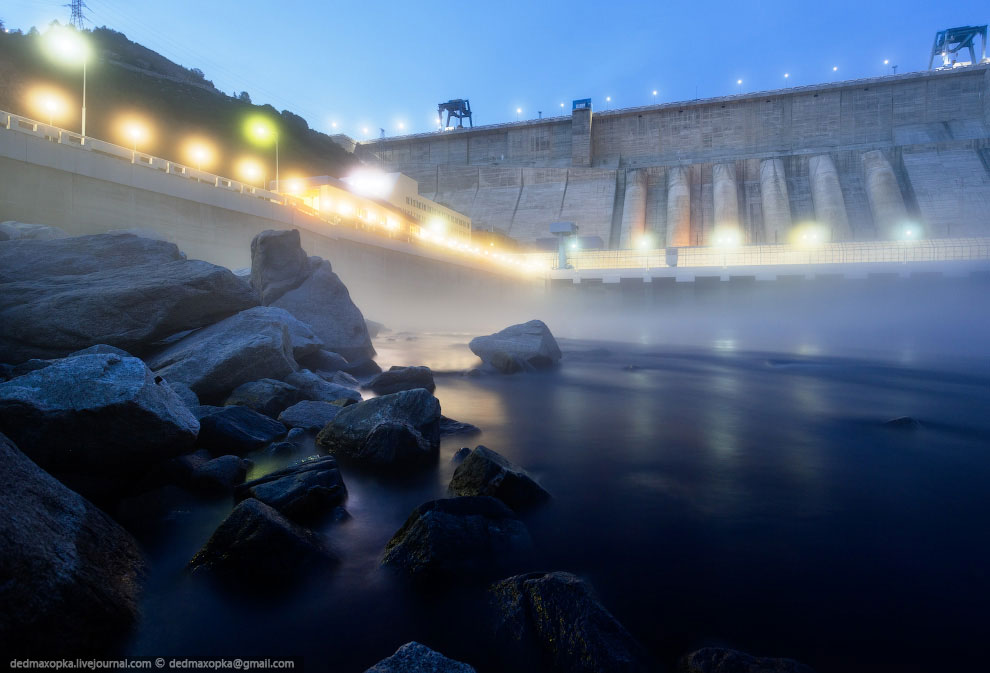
376,65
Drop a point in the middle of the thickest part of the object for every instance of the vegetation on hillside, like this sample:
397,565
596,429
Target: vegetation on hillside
127,79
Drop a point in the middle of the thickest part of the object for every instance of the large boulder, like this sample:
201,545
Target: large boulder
485,472
278,264
100,412
69,575
415,658
308,489
251,345
257,544
324,361
309,415
237,430
526,346
219,476
315,387
449,427
458,539
266,396
553,622
397,379
61,295
395,431
724,660
11,230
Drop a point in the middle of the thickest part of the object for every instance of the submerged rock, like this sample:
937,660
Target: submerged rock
397,379
308,489
518,347
903,423
485,472
448,426
69,575
266,396
256,543
553,622
415,658
458,539
238,430
309,415
724,660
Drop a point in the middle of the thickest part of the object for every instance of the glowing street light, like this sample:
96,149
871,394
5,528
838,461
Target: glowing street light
738,81
67,45
199,151
137,132
654,96
48,102
263,131
250,170
608,99
518,112
787,75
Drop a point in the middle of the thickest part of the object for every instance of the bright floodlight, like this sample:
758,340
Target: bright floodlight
654,92
645,242
786,75
48,103
834,68
250,170
574,245
738,81
910,232
199,152
368,182
518,110
886,61
261,130
727,237
809,235
66,45
401,126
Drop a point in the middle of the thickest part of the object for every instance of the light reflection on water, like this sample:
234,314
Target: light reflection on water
711,497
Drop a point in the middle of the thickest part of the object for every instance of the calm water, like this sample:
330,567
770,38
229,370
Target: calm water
710,496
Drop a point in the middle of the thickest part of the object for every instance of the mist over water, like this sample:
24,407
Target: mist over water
721,474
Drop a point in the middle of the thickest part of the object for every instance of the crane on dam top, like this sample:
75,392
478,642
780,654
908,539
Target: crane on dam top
951,41
459,108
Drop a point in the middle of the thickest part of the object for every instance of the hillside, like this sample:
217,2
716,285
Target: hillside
125,78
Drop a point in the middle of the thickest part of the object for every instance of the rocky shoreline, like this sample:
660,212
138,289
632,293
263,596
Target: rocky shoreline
133,379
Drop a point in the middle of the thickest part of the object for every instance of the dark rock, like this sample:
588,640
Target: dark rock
458,539
460,455
219,475
57,298
96,413
165,506
448,426
485,472
256,543
397,379
283,448
315,387
278,264
375,328
526,346
396,431
309,415
724,660
252,345
415,658
903,423
266,396
323,361
345,379
553,622
185,394
11,231
238,430
363,367
204,410
308,489
69,575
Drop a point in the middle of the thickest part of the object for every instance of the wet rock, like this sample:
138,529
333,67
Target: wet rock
295,435
266,396
219,475
448,426
70,574
62,295
375,328
460,455
11,230
185,394
204,410
285,448
555,619
518,347
309,415
161,507
905,423
485,472
458,539
311,488
252,345
278,264
256,543
397,379
345,379
363,367
323,361
97,413
415,658
724,660
315,387
238,430
392,431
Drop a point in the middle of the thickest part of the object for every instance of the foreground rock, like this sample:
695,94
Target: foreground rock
448,426
100,412
219,476
485,472
724,660
519,347
70,575
266,396
58,296
238,430
256,543
252,345
309,415
315,387
392,431
554,619
397,379
309,489
458,539
415,658
310,290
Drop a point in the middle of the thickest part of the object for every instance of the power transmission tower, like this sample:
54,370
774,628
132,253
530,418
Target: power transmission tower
77,18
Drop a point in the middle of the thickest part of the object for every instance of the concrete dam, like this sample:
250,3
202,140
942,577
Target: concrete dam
867,160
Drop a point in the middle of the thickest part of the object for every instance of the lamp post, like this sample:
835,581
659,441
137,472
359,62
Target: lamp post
68,46
654,96
261,130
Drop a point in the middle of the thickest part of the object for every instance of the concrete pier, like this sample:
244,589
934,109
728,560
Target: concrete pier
826,194
776,204
678,207
634,209
886,201
726,196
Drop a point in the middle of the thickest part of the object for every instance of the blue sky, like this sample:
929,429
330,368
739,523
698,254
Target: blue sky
379,64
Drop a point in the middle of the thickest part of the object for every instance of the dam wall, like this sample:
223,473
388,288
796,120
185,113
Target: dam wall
798,156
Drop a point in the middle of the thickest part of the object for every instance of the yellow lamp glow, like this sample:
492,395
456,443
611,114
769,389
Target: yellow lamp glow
48,103
66,45
199,152
134,131
809,235
250,170
727,237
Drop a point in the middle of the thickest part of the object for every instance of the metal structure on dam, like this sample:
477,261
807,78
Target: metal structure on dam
868,160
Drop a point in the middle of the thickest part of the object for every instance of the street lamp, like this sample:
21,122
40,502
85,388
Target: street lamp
136,132
518,112
608,99
67,45
654,96
262,131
